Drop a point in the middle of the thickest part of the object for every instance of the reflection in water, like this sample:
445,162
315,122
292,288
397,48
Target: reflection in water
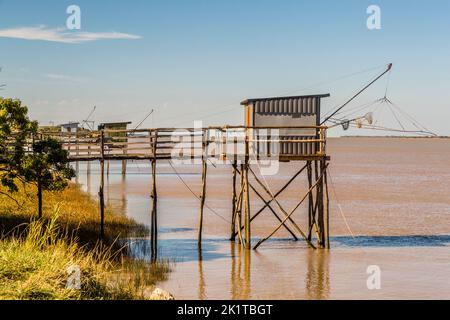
240,284
201,276
123,193
88,178
318,275
176,250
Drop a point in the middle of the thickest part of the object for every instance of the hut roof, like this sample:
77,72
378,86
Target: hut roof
248,101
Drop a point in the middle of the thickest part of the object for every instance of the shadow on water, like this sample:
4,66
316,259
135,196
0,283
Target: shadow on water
393,241
176,250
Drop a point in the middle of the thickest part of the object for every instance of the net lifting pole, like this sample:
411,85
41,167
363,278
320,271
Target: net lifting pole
389,67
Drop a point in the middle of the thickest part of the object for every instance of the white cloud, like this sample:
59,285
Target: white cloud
43,33
54,76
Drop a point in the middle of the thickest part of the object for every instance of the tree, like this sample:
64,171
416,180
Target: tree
42,162
47,167
15,129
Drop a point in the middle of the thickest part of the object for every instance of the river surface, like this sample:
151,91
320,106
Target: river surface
390,208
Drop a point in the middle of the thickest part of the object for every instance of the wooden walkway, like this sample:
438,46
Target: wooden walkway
226,142
238,146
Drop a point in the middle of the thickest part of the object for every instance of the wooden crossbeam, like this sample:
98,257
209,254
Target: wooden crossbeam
292,211
288,216
268,202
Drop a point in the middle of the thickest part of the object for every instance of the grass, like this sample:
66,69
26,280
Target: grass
36,254
78,214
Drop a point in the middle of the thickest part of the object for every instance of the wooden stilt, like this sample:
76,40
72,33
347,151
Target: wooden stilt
246,200
88,165
154,196
310,202
154,222
203,190
124,161
239,207
101,196
327,209
77,171
124,167
247,229
319,204
202,201
233,204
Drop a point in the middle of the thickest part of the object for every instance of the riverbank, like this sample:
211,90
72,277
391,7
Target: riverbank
36,256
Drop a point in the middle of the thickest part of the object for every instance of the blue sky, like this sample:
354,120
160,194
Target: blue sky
197,59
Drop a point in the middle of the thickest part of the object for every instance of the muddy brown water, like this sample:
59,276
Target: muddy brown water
390,207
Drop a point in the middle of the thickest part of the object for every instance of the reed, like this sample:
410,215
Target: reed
35,254
79,215
34,265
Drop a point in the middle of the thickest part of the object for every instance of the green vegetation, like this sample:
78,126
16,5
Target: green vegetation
46,165
36,252
78,214
36,267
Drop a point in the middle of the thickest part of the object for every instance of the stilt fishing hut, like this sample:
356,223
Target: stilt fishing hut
292,132
115,137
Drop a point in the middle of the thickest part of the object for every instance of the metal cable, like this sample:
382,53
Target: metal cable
195,195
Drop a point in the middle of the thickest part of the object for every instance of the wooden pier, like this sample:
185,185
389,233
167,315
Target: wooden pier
243,149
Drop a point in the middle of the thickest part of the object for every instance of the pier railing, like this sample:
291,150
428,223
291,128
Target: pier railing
224,143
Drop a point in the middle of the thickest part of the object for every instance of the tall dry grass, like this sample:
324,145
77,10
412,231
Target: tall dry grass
36,254
79,214
35,264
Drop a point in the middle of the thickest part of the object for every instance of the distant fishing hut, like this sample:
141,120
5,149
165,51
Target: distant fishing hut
115,136
71,127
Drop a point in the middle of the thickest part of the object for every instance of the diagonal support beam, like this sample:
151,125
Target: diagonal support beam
279,206
292,211
273,211
268,202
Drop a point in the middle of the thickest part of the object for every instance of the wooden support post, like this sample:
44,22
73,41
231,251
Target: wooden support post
239,206
318,206
154,222
154,196
327,209
101,196
310,202
124,167
233,203
203,190
77,164
321,212
88,167
247,227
